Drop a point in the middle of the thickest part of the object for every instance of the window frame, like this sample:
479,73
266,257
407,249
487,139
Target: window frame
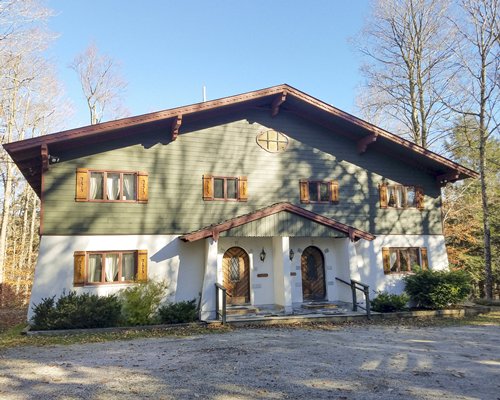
404,194
279,135
224,187
423,265
318,191
104,185
103,269
332,191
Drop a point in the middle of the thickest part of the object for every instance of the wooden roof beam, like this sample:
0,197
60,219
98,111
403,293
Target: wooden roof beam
176,124
448,177
44,153
363,143
277,102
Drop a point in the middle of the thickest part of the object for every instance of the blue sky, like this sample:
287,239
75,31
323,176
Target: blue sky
169,49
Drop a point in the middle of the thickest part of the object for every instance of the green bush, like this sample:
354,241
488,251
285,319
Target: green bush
140,303
437,289
73,311
385,302
176,313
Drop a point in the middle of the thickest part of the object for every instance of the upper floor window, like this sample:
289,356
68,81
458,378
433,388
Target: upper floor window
229,188
401,196
404,259
94,267
319,191
272,141
111,186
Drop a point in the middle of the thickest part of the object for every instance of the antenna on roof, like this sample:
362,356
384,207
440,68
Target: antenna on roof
204,93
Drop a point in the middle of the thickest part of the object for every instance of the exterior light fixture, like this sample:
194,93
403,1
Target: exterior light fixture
262,255
291,254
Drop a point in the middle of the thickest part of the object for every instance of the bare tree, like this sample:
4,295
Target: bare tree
478,96
102,84
407,43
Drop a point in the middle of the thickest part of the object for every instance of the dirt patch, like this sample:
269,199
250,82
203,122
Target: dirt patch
11,316
359,362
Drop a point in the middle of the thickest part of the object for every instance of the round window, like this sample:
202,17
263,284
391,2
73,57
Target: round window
272,141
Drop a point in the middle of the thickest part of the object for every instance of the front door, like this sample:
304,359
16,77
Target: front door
236,275
313,274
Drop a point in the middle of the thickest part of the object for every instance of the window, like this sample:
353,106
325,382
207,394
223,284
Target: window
404,259
95,267
401,196
272,141
225,188
319,191
111,186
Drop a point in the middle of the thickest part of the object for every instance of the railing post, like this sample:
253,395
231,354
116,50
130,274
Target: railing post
354,299
223,307
216,302
367,297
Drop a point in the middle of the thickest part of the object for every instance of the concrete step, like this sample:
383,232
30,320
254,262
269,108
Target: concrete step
241,310
319,305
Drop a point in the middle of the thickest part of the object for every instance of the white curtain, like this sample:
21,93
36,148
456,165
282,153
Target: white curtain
129,187
111,270
113,186
96,185
95,268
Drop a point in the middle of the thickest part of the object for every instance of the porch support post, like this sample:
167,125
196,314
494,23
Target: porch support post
207,308
282,267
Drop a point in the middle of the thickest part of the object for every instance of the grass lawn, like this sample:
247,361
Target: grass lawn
12,337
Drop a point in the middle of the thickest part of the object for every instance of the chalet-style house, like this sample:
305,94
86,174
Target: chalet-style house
272,194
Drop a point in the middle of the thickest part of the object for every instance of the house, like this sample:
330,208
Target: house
273,194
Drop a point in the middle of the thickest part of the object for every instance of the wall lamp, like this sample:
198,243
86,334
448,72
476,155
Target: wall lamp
53,159
291,254
262,255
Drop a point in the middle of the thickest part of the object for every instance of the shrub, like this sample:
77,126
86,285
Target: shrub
176,313
437,289
385,302
73,311
140,302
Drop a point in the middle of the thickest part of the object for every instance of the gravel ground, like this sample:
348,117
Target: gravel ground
363,362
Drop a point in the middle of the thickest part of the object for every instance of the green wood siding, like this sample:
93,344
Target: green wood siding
283,224
228,148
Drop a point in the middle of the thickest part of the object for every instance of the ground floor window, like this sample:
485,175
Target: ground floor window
95,267
404,259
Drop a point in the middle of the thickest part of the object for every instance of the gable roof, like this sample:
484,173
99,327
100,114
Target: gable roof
31,155
216,229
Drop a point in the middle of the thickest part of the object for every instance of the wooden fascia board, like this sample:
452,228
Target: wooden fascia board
215,230
44,154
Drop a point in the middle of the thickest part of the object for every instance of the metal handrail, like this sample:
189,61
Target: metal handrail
221,313
362,287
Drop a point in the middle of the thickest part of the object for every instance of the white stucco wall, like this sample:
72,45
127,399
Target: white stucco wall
180,264
370,266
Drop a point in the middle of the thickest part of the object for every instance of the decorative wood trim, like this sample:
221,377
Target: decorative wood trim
208,187
277,102
142,266
362,144
424,261
334,192
176,124
82,184
386,260
242,188
383,195
304,191
80,268
214,230
142,187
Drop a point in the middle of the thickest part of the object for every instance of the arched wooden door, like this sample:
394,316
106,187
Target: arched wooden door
313,274
236,275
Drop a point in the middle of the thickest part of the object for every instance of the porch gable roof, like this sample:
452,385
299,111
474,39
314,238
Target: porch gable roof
216,229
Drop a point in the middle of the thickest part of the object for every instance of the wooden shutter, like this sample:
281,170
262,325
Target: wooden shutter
420,197
208,187
142,187
242,188
386,257
79,268
142,266
82,184
304,191
424,261
334,191
383,195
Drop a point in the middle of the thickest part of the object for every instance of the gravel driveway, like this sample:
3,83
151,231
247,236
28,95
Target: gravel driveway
363,362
